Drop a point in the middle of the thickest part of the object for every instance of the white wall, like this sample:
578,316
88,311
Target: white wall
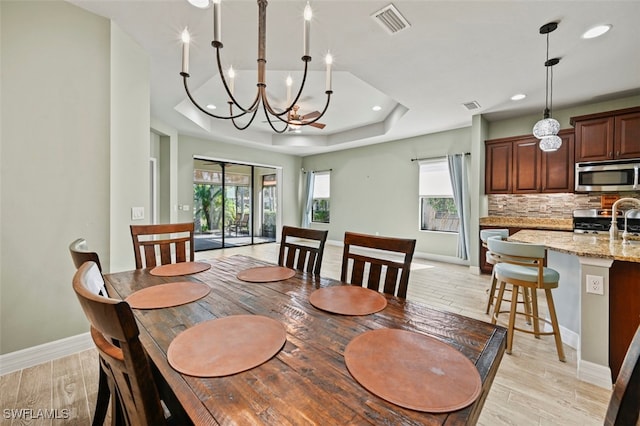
75,152
55,164
130,143
375,188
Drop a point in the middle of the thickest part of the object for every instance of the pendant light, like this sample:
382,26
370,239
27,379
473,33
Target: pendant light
547,129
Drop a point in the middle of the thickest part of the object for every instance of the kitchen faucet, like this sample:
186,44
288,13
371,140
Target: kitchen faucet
613,230
625,234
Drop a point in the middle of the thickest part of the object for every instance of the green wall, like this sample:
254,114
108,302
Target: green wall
374,189
189,146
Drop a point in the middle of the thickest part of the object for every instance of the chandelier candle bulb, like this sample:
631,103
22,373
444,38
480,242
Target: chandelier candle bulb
217,20
289,83
185,51
329,60
232,79
307,28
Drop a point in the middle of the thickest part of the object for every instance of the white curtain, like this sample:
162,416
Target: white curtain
308,205
459,181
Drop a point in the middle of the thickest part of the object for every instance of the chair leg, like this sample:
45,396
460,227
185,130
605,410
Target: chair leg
492,292
526,301
512,318
102,401
498,304
554,324
536,314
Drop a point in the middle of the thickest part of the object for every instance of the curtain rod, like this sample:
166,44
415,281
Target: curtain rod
437,158
316,171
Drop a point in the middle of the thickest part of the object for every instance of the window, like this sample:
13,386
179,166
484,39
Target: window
437,209
321,192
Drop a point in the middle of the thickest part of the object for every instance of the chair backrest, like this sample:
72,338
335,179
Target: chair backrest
486,233
297,252
80,254
624,405
522,254
161,240
396,274
126,363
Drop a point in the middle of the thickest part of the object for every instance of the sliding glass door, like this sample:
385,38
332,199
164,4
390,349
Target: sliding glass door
234,204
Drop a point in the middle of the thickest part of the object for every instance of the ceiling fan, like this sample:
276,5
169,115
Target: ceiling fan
296,120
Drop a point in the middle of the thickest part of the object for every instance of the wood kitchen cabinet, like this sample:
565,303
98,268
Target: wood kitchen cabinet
516,165
498,161
608,135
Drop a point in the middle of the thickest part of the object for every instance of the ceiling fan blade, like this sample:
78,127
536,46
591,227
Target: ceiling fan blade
311,115
318,125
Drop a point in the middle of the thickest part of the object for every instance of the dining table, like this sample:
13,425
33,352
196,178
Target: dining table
307,382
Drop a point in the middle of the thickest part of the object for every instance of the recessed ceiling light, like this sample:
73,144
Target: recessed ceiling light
211,106
596,31
202,4
377,108
518,97
297,131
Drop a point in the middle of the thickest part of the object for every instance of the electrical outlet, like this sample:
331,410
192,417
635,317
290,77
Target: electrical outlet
595,284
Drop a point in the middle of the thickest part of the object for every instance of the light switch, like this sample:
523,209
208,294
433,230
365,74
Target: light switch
137,213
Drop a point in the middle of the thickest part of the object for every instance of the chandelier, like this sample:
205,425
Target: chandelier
547,129
275,117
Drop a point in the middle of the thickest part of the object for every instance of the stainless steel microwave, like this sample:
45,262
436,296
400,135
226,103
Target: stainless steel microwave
608,176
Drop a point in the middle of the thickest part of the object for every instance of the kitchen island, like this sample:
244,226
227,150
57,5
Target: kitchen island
599,326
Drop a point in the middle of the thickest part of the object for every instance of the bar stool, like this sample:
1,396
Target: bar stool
522,266
485,234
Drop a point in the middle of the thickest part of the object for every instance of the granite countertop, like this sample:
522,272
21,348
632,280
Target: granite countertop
528,222
581,244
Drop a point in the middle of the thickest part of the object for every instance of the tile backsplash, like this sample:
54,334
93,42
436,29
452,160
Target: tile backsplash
557,206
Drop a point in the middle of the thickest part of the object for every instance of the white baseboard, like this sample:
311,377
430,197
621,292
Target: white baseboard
596,374
570,338
35,355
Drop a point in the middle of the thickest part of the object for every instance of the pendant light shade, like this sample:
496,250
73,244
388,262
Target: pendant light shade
550,143
547,129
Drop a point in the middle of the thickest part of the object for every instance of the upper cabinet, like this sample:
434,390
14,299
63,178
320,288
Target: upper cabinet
609,135
517,166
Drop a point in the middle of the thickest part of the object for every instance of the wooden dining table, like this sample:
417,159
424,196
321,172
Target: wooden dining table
307,382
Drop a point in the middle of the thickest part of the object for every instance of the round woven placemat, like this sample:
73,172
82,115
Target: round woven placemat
265,274
181,268
167,295
413,370
348,300
227,345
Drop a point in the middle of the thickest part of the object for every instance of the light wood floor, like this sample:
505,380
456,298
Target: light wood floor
531,388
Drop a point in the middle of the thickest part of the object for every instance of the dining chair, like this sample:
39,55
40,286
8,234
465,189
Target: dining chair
123,359
383,272
522,266
80,254
171,243
302,249
624,405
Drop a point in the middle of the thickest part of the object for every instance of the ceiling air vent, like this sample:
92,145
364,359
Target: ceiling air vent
473,105
390,19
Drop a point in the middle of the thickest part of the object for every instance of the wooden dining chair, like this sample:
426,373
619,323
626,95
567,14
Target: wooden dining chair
80,254
123,359
624,405
302,249
395,279
170,243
